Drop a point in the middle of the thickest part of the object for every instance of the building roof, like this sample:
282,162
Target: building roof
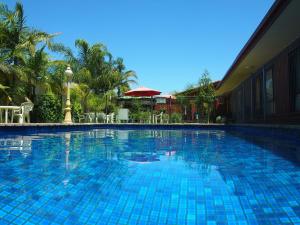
279,28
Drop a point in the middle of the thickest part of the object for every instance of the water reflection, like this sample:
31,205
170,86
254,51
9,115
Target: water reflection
110,170
13,145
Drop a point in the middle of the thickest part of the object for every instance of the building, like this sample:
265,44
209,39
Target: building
166,103
263,83
187,104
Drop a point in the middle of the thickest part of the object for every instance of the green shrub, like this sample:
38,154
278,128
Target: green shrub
145,116
111,107
135,116
218,119
76,111
48,109
136,106
142,117
176,118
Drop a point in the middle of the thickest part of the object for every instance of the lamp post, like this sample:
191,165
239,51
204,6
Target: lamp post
68,116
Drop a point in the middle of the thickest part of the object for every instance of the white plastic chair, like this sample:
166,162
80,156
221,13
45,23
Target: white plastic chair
159,118
81,118
110,118
100,117
87,118
123,115
90,117
24,112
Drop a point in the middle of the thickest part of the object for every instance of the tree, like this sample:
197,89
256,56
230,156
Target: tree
94,60
18,43
206,95
3,90
183,102
28,70
123,78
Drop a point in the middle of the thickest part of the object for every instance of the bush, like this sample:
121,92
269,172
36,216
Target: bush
145,116
136,106
111,108
76,111
176,118
142,117
220,119
48,109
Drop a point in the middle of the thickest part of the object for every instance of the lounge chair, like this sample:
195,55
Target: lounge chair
23,113
123,115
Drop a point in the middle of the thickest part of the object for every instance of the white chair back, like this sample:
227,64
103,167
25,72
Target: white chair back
27,107
101,117
123,114
92,115
110,118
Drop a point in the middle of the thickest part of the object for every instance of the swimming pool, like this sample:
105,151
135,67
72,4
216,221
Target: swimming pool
150,176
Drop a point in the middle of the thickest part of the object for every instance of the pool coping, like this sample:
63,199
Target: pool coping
195,125
2,125
276,126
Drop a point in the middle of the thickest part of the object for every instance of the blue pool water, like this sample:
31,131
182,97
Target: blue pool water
119,176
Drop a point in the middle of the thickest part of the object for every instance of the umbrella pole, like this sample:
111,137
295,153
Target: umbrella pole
152,119
106,104
170,108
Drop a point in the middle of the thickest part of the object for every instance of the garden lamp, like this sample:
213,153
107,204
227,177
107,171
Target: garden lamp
68,116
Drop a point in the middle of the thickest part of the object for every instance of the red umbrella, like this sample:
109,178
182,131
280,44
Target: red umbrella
142,92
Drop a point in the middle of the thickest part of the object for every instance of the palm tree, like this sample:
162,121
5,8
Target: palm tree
17,43
123,78
36,66
26,68
3,88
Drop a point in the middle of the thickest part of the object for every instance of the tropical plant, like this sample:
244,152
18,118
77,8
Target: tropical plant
48,108
28,70
184,102
18,48
206,95
76,111
123,78
176,118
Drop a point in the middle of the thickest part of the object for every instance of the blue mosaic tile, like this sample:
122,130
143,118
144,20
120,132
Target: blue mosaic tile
130,176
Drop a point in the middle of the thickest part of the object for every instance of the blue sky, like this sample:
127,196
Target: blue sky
168,43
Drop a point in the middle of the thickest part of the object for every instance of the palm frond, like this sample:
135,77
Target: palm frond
19,16
60,48
2,87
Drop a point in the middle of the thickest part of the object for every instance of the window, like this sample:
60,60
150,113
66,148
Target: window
258,95
239,104
294,65
269,92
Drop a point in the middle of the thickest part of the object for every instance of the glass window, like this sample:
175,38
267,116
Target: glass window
297,78
269,92
294,64
257,95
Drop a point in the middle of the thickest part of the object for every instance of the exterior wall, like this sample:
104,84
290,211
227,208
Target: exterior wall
240,104
175,108
191,109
